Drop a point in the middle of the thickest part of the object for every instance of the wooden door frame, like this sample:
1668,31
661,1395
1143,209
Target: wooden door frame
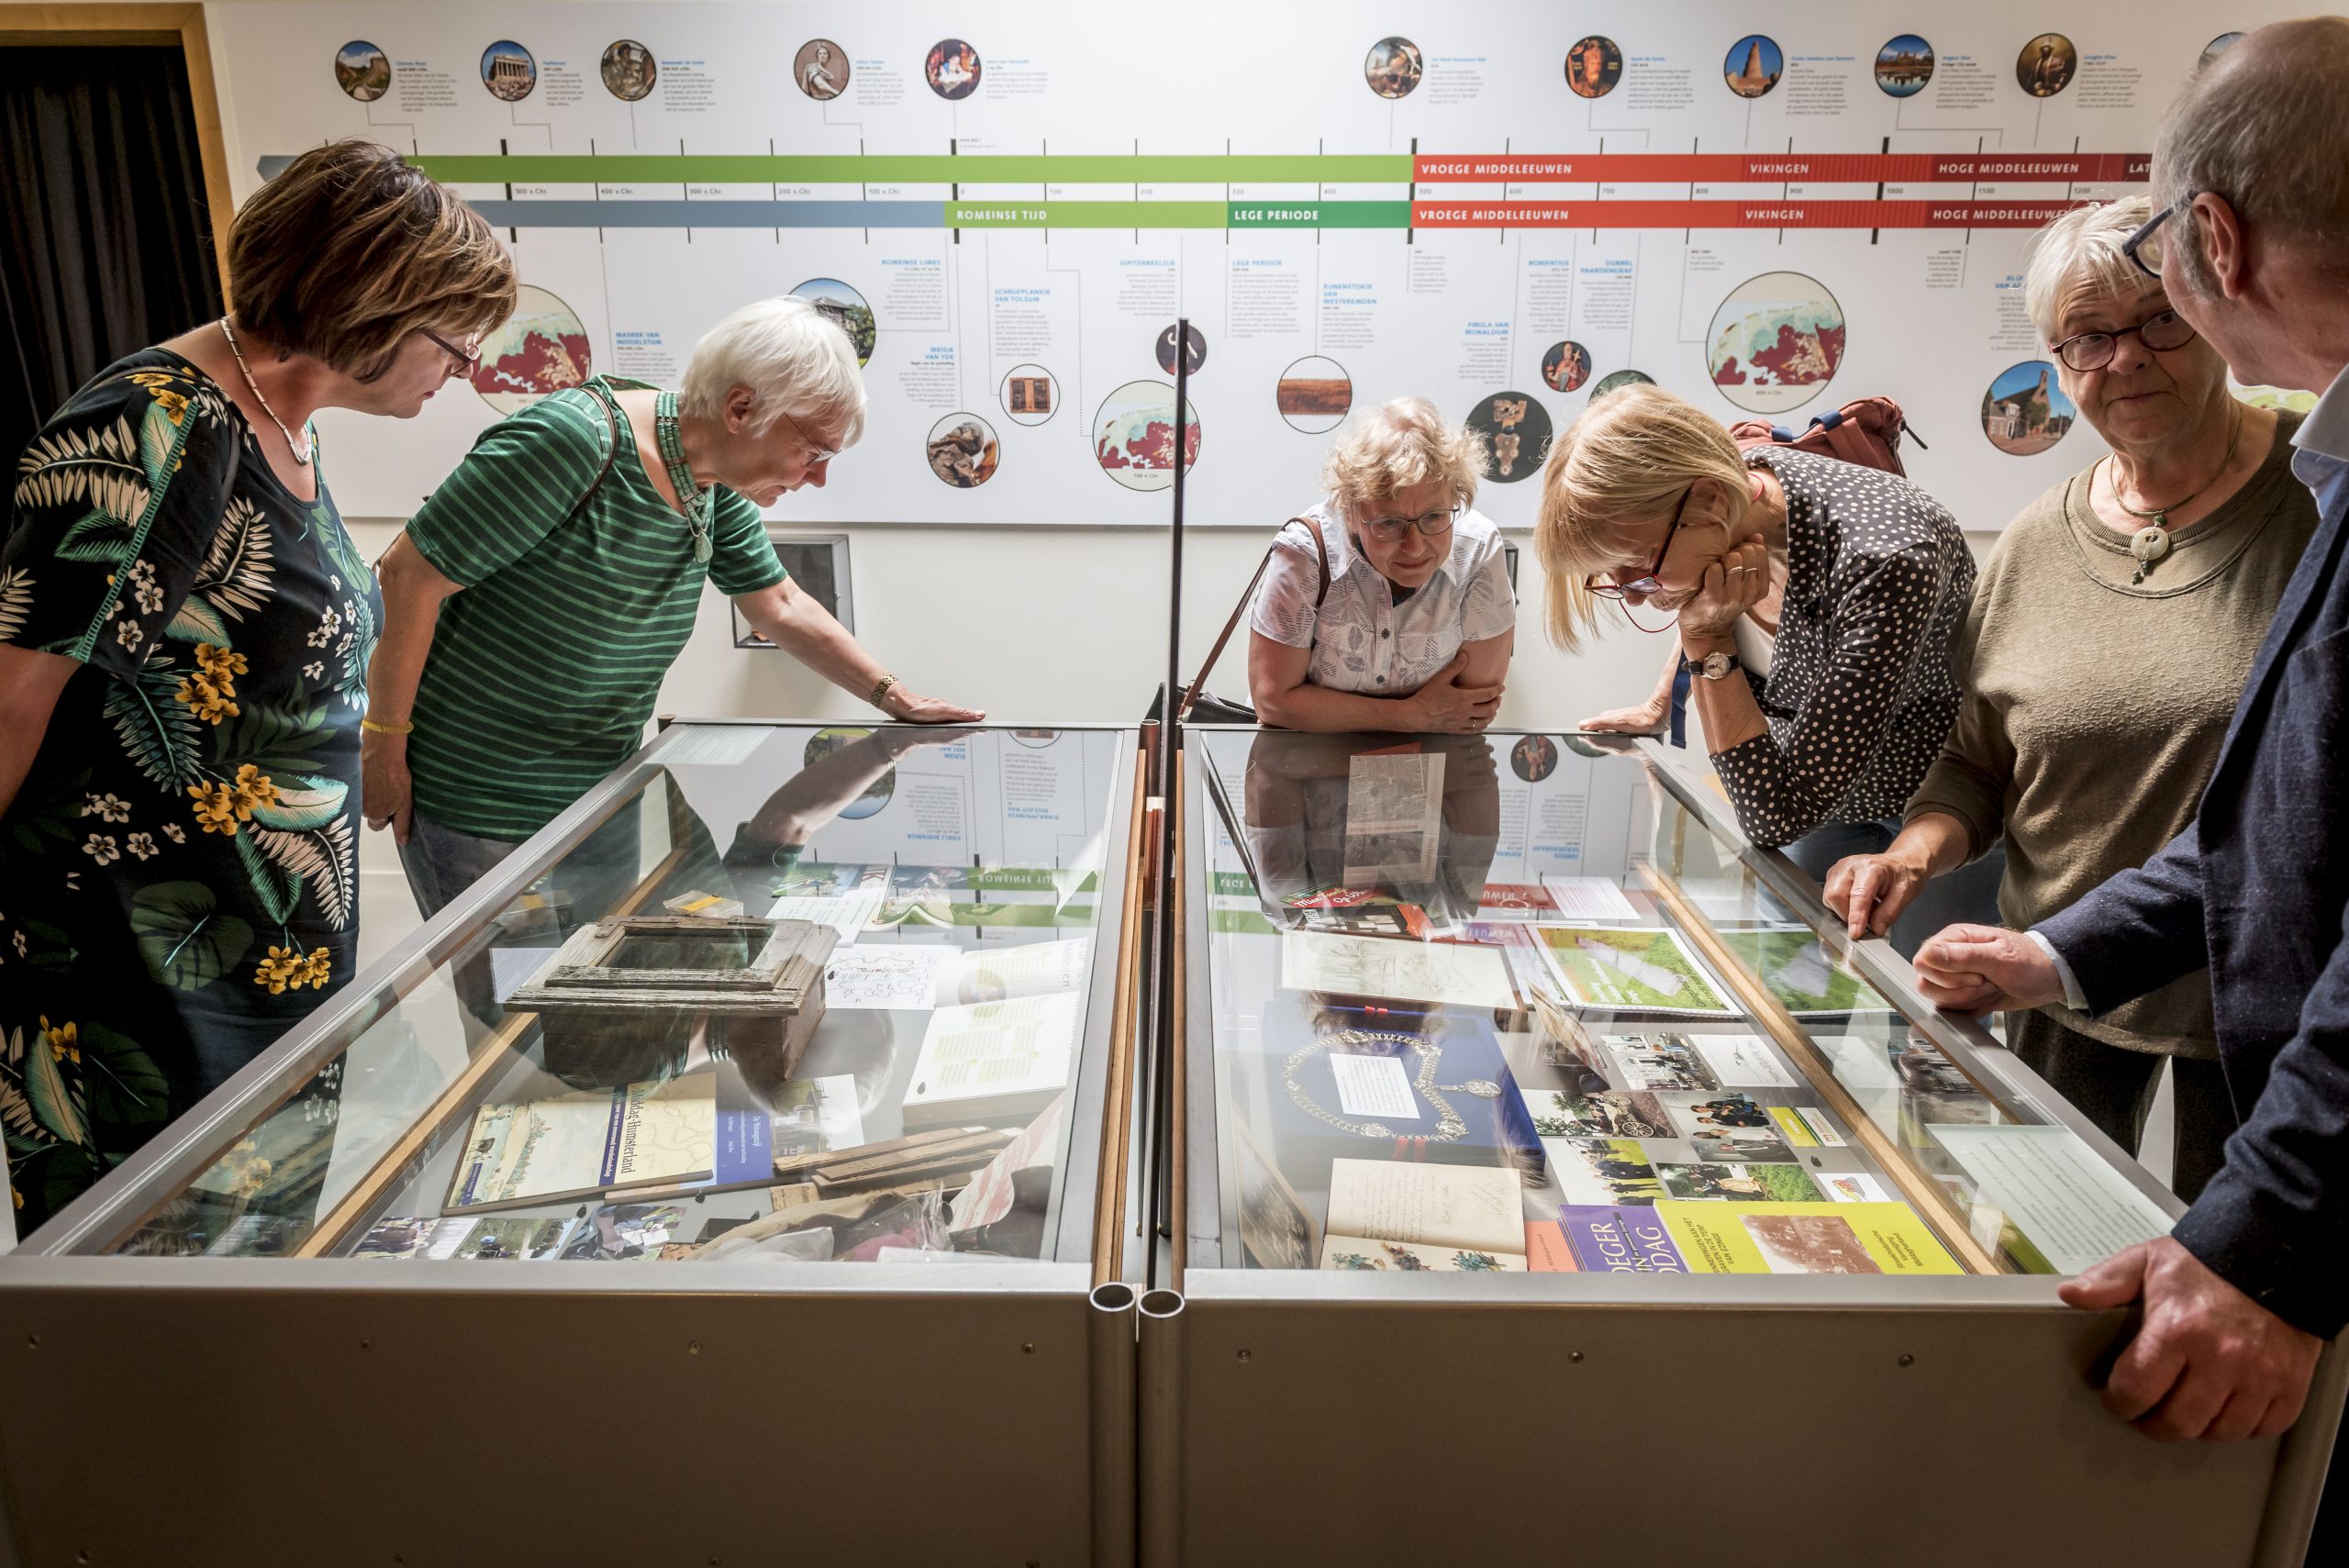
182,25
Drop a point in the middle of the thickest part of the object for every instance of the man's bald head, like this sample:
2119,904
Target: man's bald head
2264,126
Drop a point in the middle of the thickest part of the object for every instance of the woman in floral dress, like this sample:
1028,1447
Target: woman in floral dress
184,629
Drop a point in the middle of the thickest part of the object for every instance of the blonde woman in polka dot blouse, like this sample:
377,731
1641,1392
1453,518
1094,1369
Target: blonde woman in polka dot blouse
1822,717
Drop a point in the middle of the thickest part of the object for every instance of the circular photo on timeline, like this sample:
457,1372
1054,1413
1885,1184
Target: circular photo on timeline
628,71
820,70
1615,380
1194,349
363,70
508,70
1904,65
1515,428
2210,51
1133,435
1314,395
951,68
542,348
1775,342
1392,67
1533,757
845,309
962,450
823,743
1565,367
1753,66
1036,739
1593,67
2046,65
1030,395
2025,411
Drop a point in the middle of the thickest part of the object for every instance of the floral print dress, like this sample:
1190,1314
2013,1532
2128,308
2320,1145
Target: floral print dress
179,870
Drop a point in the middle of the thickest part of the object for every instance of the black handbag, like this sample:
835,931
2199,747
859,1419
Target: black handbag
1201,706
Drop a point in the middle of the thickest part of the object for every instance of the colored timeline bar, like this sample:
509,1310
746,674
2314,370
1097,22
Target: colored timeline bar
1120,169
1856,168
641,213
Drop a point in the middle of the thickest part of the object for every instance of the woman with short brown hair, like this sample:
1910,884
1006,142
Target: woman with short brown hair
184,627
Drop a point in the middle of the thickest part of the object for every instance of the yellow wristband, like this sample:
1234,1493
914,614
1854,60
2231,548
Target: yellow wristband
373,728
881,689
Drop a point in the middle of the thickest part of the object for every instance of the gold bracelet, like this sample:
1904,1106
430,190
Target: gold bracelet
881,689
374,729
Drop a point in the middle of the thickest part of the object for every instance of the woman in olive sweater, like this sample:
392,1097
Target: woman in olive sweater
2110,637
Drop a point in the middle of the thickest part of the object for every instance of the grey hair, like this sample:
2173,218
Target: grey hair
795,361
2081,251
1396,446
2260,126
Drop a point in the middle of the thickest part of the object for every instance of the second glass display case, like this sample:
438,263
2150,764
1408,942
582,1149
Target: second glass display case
1476,1026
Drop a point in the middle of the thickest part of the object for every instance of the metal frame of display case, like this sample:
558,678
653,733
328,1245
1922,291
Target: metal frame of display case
321,1383
1313,1414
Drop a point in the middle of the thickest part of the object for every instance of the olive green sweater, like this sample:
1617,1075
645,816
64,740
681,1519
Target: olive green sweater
2094,709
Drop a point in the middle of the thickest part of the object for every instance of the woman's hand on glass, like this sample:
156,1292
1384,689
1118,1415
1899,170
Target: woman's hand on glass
1444,706
1730,587
1641,718
1870,892
912,707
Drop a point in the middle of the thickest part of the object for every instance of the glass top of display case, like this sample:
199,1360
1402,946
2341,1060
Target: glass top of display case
1526,1003
772,993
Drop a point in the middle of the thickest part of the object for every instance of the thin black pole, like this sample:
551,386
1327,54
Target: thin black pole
1169,737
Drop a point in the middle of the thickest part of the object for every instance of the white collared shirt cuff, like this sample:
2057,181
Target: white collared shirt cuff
2073,998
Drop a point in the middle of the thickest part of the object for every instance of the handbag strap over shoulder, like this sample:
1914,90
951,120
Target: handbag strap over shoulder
1248,595
611,446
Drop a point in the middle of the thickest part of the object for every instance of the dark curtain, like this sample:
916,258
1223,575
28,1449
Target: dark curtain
105,245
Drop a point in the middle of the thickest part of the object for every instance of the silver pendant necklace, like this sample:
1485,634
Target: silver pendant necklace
2150,542
302,452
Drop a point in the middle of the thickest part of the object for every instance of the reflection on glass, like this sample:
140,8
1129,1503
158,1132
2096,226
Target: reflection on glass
920,1103
1500,1004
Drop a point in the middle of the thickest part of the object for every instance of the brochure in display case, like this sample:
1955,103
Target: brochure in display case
1666,1079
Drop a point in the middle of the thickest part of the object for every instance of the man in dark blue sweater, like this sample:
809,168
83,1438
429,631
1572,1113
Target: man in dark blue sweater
2251,238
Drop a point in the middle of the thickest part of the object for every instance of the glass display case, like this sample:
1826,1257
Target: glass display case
788,1067
1478,1025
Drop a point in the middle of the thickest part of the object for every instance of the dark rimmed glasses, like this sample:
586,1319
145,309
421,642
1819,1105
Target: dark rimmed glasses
1645,584
2162,332
2144,248
1434,525
468,359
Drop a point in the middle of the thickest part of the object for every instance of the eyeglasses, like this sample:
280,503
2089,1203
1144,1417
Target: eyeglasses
816,456
2145,247
468,358
2162,332
1646,584
1434,525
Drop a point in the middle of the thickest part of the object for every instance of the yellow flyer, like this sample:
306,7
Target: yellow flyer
1804,1239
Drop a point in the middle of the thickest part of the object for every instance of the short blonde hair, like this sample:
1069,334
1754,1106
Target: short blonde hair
1619,468
2081,251
1396,446
350,249
793,359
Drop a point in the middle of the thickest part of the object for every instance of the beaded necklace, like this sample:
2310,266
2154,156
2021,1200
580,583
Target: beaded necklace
698,502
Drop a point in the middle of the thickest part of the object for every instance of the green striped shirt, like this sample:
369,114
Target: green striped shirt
544,670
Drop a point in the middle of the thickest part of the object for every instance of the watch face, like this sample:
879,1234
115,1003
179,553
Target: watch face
1716,666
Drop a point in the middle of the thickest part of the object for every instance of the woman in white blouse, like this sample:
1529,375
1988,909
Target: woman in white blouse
1414,628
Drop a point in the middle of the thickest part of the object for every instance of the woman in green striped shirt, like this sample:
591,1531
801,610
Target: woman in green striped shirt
534,604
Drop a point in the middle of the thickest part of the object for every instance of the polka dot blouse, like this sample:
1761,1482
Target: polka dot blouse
1860,693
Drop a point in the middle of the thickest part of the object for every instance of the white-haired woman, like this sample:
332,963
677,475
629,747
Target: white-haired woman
1387,605
2114,628
533,605
1647,501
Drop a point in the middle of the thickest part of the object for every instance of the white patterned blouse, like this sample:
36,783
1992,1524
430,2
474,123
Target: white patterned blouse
1361,640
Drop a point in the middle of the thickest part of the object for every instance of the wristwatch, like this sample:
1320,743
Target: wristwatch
1713,666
